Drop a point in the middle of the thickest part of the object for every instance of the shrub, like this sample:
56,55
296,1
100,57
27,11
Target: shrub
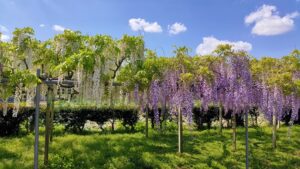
161,118
72,118
202,117
10,125
75,118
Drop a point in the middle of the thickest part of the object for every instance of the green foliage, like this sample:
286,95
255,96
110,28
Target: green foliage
144,72
224,50
63,162
278,72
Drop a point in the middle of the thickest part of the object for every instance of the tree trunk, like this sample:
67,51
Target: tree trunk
47,123
234,132
274,131
220,119
179,131
278,124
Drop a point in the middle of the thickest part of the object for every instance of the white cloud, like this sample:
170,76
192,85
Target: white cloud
42,25
138,24
177,28
209,44
3,29
4,38
267,21
58,28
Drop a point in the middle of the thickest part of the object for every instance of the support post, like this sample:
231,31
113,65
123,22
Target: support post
247,146
164,112
48,123
220,119
147,121
274,131
111,105
234,131
179,131
36,121
52,116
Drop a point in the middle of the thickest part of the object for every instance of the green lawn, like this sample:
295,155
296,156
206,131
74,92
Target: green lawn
202,149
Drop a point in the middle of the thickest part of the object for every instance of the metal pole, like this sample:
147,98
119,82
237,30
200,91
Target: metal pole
36,120
246,126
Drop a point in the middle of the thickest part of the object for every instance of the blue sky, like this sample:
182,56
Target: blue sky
264,28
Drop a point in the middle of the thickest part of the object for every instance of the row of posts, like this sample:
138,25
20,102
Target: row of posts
48,129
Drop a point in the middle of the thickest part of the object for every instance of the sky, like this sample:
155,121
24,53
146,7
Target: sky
261,27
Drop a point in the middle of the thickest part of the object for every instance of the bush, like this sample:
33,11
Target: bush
202,117
10,125
72,118
75,118
287,117
161,116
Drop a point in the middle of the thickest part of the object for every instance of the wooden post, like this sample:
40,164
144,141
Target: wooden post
220,119
234,131
36,121
247,137
111,107
47,123
164,112
147,121
274,131
179,131
52,116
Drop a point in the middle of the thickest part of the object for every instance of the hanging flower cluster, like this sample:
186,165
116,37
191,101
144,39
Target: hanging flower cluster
154,95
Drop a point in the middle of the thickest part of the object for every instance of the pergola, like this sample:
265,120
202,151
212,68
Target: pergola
48,82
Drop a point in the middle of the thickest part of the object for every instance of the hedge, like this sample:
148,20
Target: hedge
10,125
74,118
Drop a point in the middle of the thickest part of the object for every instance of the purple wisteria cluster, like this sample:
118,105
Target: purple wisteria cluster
239,93
172,91
272,102
155,92
232,87
295,105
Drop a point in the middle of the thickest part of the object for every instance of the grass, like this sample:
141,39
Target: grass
202,149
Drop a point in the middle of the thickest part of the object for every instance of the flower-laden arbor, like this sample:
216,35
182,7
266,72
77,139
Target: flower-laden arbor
144,79
15,68
231,80
279,88
91,61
